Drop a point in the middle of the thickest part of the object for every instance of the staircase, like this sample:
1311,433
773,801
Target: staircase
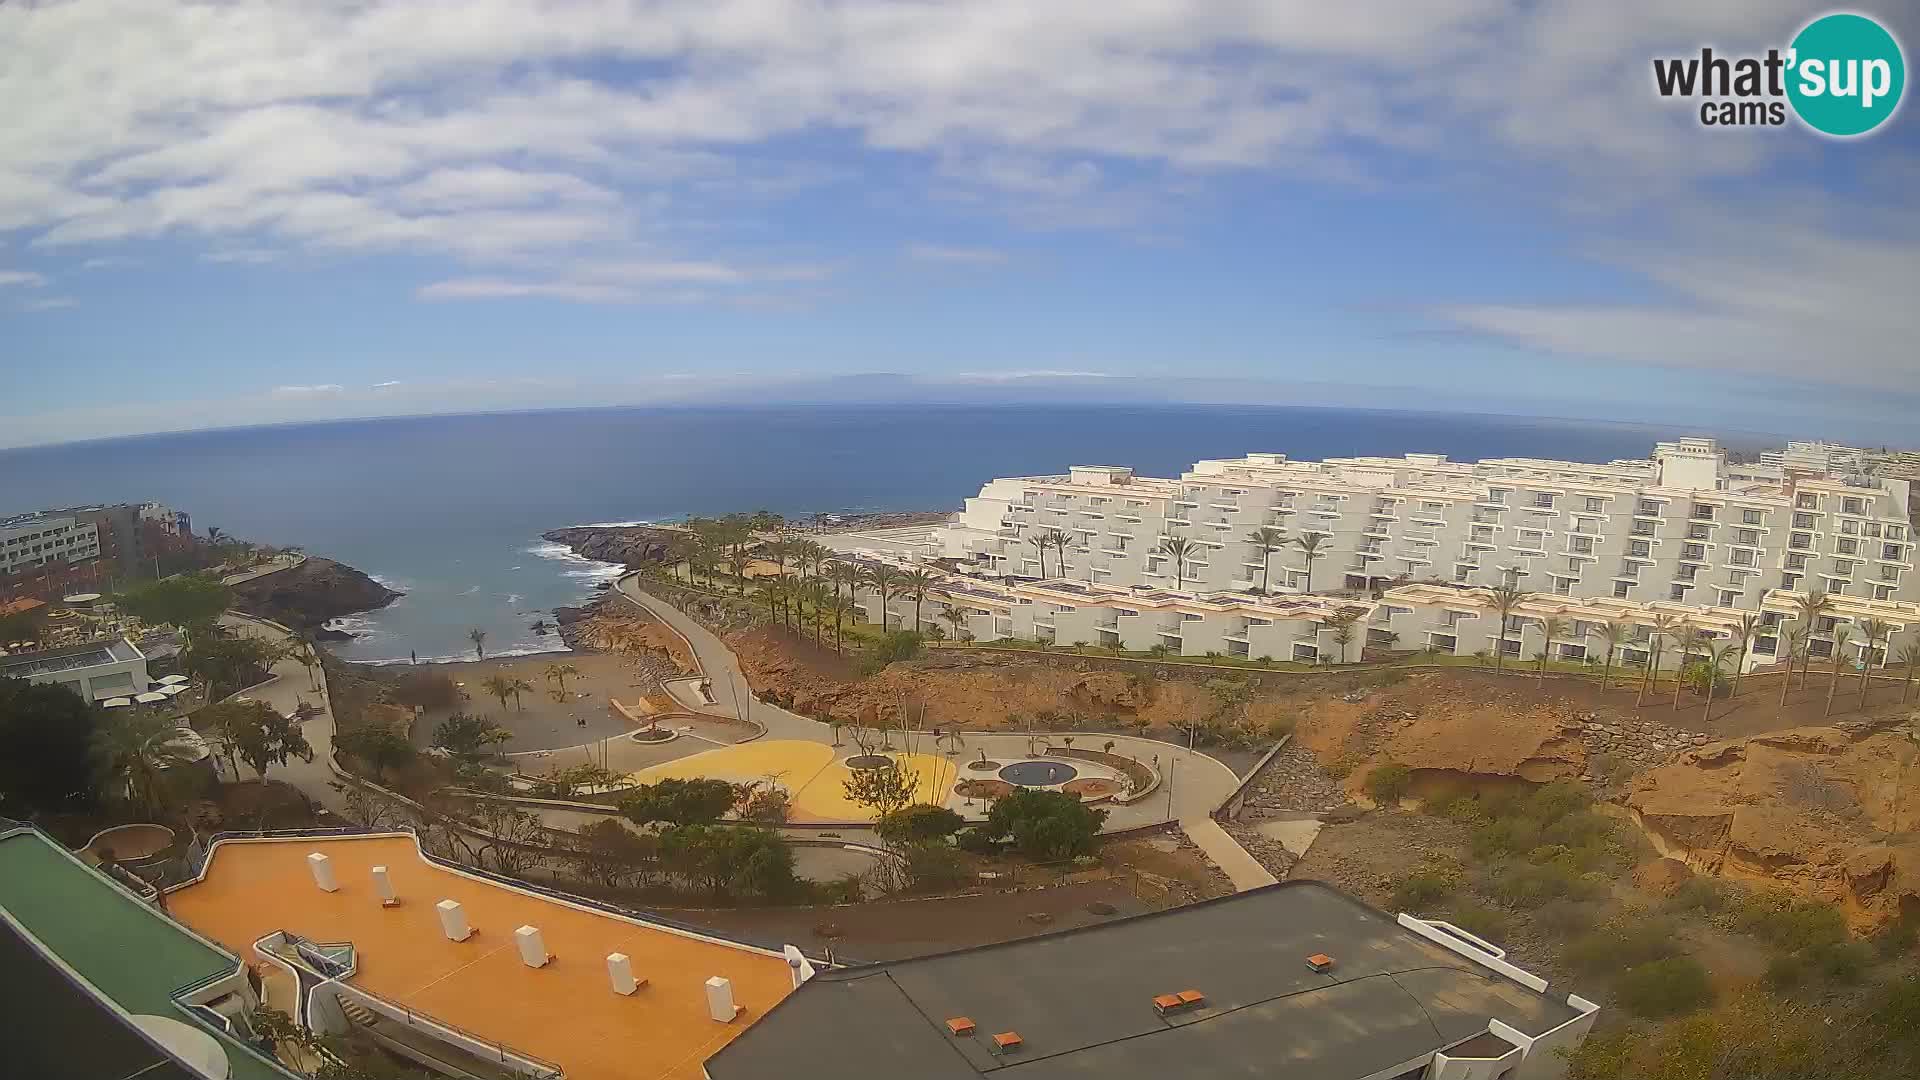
358,1013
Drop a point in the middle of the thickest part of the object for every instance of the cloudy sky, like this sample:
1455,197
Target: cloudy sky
222,213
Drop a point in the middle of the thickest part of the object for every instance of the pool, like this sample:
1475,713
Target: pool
1038,773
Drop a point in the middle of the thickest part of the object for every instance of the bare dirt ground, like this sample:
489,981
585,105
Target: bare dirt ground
538,721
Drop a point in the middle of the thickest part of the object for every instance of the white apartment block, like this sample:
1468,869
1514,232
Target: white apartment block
1682,533
32,542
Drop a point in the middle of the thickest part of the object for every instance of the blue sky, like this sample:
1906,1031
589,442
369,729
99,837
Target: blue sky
224,214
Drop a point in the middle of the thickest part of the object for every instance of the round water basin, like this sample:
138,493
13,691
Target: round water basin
1038,773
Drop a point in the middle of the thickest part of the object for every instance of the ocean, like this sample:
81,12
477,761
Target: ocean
450,509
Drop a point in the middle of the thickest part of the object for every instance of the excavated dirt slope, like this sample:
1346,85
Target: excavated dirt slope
1827,812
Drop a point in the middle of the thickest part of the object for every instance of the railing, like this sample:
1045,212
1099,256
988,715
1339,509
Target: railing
537,1067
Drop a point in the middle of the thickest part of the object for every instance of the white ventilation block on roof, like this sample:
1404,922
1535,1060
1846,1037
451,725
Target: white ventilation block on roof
453,920
322,868
383,885
720,1004
620,973
533,950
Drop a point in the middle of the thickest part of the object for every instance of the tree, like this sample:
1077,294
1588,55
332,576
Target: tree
842,608
813,592
257,733
1310,544
517,686
1658,628
182,601
1342,624
1808,610
560,673
1505,599
921,823
479,639
676,801
1743,636
844,575
1041,541
1549,629
1796,639
227,662
46,764
1179,549
498,687
956,616
1266,540
304,652
1909,655
133,748
1044,825
611,854
914,585
739,860
1873,630
469,737
882,789
379,746
1716,658
426,688
1059,539
883,579
1686,637
1840,635
1388,784
1615,634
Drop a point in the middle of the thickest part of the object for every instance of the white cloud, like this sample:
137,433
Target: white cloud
48,303
26,278
972,256
241,255
308,391
108,262
386,384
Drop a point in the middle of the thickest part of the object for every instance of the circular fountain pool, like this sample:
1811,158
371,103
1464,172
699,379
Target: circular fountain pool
1038,773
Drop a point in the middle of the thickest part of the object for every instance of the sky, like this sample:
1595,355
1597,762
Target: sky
215,214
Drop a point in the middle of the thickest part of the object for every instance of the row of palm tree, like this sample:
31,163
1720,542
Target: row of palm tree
1266,540
1717,653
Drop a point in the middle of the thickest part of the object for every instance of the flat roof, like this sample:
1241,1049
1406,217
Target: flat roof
129,952
564,1012
55,1027
1082,1001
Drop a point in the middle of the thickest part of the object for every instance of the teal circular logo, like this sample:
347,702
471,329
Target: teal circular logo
1845,74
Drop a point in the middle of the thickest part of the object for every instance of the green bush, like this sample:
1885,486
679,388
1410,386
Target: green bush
1702,894
1387,784
934,866
1788,924
1529,885
1281,726
976,840
896,645
1045,824
1660,988
1421,891
1478,919
1628,941
1566,918
920,823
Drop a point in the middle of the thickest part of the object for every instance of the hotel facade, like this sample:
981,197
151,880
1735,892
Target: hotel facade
1417,543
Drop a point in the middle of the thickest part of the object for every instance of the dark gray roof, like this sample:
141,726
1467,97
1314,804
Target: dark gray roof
1082,1001
56,1028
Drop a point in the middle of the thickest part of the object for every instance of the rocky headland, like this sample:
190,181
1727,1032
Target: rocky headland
633,546
306,596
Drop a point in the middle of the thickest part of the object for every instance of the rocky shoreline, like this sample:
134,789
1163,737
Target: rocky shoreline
308,596
637,546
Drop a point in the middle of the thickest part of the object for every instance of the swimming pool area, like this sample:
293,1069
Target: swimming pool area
1038,773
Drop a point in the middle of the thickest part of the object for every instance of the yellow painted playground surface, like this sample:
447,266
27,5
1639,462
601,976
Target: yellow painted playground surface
811,771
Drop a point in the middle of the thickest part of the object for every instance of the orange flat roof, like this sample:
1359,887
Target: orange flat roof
564,1012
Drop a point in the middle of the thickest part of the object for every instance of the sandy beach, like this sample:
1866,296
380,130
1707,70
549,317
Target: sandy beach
538,721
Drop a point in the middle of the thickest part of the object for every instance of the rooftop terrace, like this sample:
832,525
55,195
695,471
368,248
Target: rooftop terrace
563,1012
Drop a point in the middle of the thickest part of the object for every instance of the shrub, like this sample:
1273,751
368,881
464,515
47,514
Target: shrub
896,645
1478,919
1627,942
1788,924
1387,784
1565,918
675,801
918,824
1282,726
1045,824
934,866
976,841
1529,885
1660,988
1787,972
427,689
1422,890
1703,894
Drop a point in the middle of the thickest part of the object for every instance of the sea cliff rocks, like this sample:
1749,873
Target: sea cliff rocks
306,596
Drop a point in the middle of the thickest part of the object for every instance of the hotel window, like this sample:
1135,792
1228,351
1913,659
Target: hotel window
1620,589
1849,528
1800,540
1750,516
1825,624
1843,567
1497,495
1789,582
1582,544
1803,521
1693,551
1595,505
1889,573
1745,536
1741,557
1890,551
1697,532
1729,599
1846,547
1703,512
1806,501
1643,528
1461,573
1678,592
1687,573
1852,506
1896,532
1648,506
1640,549
1543,500
1883,592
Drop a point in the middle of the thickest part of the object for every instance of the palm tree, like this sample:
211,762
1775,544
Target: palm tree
498,686
1716,658
1873,630
1658,628
1179,549
841,606
302,649
1615,634
517,686
560,673
1687,637
1059,539
681,549
132,747
1743,636
772,590
956,617
1807,611
1840,636
1551,628
1505,599
1797,639
1266,540
1909,655
884,579
813,593
1309,545
1041,541
913,586
479,639
843,573
1343,628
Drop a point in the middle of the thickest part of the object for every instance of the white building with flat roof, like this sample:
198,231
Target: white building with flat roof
28,543
96,671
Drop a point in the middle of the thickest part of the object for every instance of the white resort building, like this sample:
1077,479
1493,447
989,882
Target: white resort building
1414,545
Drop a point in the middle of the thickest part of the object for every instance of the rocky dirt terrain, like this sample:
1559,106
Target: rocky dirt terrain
634,546
308,595
1827,812
610,624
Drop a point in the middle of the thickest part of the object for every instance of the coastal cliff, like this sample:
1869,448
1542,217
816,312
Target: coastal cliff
633,546
308,595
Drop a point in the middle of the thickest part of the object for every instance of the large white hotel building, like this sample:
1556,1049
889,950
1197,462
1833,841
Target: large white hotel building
1418,541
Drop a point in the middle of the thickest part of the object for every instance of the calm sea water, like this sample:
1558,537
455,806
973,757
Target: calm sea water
450,509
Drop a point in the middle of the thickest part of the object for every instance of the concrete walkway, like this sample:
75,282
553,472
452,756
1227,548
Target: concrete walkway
1241,868
292,687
